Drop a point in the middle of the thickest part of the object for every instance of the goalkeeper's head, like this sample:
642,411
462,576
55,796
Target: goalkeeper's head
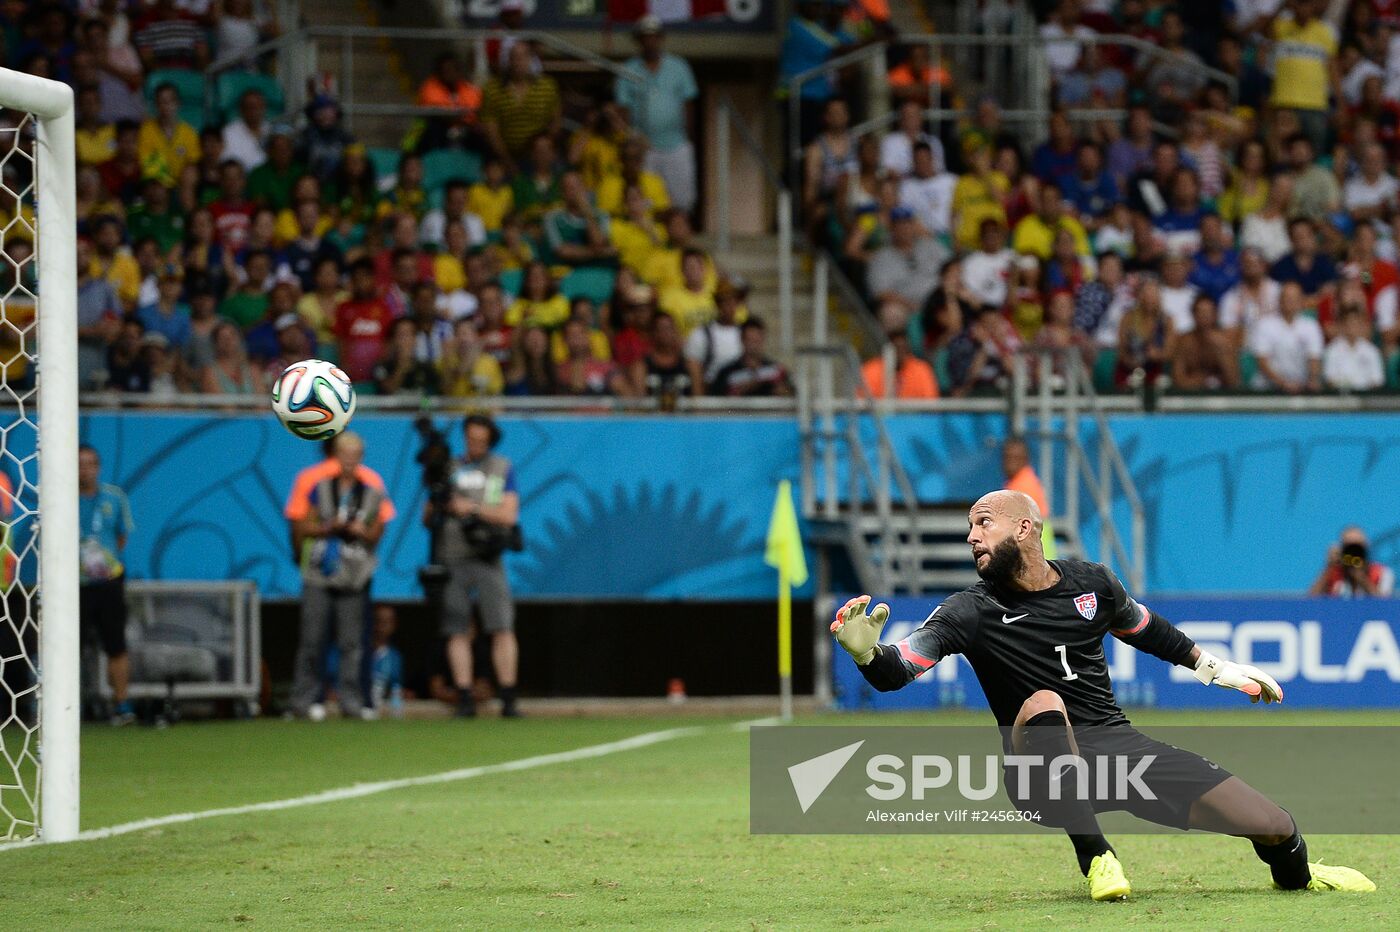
1004,533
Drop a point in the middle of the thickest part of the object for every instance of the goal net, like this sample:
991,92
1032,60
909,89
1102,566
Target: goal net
38,468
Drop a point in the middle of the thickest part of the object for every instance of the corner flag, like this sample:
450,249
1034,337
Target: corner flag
784,553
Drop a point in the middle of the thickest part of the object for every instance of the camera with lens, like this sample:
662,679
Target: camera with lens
1355,555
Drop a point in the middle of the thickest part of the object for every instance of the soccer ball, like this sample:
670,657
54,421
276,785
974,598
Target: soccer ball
313,399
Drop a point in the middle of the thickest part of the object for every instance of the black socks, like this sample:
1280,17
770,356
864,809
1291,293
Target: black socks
1288,861
1049,737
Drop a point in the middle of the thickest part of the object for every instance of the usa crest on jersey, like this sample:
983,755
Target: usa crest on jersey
1087,605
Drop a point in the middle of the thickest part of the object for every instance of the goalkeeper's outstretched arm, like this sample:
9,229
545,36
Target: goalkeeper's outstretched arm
885,667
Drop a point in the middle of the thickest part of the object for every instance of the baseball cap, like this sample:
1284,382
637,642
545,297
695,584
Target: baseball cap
648,26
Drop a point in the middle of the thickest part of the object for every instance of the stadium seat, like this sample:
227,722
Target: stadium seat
1392,371
1104,364
189,84
233,84
385,162
940,369
1248,368
592,283
443,165
511,280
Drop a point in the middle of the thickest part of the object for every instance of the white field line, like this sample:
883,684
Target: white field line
358,790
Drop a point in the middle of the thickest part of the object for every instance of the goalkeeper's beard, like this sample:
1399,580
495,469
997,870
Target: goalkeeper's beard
1004,564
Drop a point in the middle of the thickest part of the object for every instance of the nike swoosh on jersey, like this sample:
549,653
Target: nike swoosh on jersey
1008,619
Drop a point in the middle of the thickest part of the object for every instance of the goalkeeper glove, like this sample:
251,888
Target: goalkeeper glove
858,632
1248,679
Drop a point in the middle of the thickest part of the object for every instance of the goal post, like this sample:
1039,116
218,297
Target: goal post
50,105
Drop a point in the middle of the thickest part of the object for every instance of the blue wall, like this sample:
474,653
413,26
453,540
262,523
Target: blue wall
1325,653
664,508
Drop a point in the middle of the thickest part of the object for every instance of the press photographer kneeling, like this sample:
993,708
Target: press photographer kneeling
481,523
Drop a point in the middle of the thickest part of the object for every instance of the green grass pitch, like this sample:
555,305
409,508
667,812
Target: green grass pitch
655,837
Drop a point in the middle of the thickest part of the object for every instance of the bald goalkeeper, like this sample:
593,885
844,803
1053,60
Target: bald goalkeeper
1032,631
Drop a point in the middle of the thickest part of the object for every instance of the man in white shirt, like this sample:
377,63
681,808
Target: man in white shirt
1178,294
1351,361
897,149
246,137
433,229
1371,194
987,272
720,342
1288,346
1063,56
929,192
1253,299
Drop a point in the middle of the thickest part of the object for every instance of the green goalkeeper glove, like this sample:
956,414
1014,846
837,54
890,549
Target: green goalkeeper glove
858,632
1250,680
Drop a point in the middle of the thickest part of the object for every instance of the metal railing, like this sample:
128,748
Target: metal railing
1056,389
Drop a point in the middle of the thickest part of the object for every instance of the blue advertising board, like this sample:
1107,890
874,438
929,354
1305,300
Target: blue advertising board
1325,653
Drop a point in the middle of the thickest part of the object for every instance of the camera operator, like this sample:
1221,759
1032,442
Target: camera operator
1349,572
481,522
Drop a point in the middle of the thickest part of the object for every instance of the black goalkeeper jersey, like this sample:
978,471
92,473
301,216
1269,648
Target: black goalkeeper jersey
1021,642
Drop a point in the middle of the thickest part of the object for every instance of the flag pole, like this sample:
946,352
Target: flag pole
784,643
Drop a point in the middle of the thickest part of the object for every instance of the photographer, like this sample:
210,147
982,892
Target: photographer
482,509
1349,572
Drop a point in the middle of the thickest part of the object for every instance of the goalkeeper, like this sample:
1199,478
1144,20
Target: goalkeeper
1032,631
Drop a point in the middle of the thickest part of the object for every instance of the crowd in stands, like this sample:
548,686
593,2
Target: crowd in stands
1237,229
221,238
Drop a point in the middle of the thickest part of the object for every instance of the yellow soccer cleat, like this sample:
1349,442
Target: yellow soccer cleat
1342,879
1107,881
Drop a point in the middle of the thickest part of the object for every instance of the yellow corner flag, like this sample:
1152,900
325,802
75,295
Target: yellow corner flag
784,553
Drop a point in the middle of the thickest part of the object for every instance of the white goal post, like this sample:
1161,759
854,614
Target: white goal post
50,104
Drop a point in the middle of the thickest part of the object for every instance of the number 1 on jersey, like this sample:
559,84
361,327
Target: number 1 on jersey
1064,659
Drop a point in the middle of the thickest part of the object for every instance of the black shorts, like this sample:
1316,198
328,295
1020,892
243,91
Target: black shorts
102,608
1175,777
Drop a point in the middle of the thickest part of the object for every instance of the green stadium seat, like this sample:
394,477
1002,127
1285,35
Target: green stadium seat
594,284
940,369
385,162
442,165
1104,365
234,84
1392,371
511,280
189,84
1249,367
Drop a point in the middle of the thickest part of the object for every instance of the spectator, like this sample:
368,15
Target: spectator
979,357
1372,195
928,192
531,369
594,146
1144,338
1316,194
1174,80
1288,346
447,89
161,362
1304,66
263,340
1313,271
897,148
270,184
116,72
482,513
1021,477
104,517
166,144
324,138
632,173
808,44
904,273
1149,189
1249,184
987,271
1132,153
1266,230
1203,156
693,303
155,218
1350,572
230,373
238,29
518,106
577,232
491,199
912,377
1089,189
98,313
1057,333
661,104
248,304
631,339
1055,159
126,367
637,235
166,37
1216,267
539,304
753,374
1205,357
1177,292
1099,305
1179,226
121,174
319,304
663,269
465,369
362,323
94,138
719,342
169,316
1059,34
1066,270
1250,301
537,190
336,539
915,80
246,138
1096,83
582,372
232,211
826,161
664,373
943,313
306,254
399,370
1351,361
114,263
1035,234
398,297
407,197
204,324
497,337
433,231
294,344
977,197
